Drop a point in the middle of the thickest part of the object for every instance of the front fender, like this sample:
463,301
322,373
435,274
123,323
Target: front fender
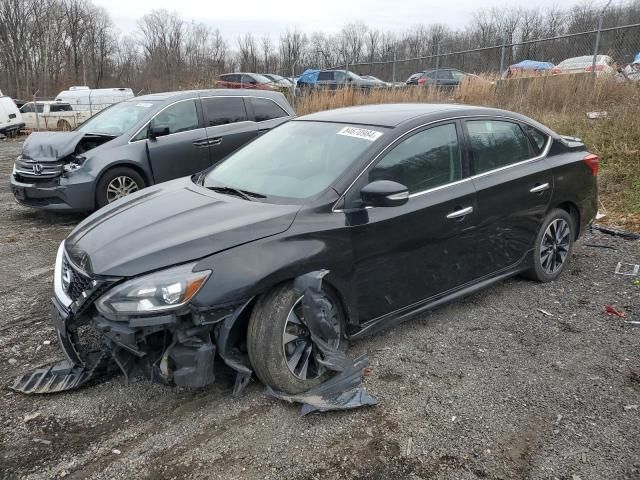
254,268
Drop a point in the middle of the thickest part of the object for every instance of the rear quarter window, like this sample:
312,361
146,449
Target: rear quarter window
538,139
265,109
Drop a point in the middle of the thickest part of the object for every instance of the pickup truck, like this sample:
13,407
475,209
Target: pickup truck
50,115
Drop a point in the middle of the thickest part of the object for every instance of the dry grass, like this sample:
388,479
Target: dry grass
559,102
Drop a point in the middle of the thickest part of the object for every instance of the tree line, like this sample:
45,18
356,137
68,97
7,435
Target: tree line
48,45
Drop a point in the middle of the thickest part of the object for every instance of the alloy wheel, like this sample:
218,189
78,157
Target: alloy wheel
299,350
119,187
554,247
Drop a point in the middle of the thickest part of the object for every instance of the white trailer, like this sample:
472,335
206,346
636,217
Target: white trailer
85,99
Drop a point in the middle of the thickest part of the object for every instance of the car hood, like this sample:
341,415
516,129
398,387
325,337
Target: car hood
50,146
168,224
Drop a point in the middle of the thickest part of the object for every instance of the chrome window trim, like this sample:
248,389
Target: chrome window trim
456,182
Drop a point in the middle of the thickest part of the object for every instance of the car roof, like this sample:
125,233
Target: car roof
392,115
230,92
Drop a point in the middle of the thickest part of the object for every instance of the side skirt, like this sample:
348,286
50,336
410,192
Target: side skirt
402,315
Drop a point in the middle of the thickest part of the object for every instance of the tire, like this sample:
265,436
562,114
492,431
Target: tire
560,226
130,180
265,341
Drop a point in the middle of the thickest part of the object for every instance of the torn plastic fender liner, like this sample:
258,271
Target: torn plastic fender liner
344,390
230,353
50,146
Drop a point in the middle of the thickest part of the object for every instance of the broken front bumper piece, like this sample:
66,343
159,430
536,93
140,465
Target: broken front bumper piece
170,348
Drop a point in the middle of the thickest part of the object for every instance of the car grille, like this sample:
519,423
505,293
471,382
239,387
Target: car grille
79,282
32,170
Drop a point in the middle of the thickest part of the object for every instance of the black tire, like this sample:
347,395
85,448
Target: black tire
540,265
265,340
102,195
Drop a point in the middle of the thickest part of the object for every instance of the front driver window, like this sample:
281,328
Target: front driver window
425,160
179,117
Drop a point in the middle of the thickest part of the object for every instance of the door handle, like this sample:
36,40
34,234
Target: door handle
215,141
463,212
200,143
540,188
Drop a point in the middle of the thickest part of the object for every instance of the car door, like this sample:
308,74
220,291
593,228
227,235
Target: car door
227,125
184,149
266,113
514,185
424,248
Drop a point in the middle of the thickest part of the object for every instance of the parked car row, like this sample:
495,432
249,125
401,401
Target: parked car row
402,208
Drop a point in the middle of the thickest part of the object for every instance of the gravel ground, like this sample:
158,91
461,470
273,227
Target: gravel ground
490,387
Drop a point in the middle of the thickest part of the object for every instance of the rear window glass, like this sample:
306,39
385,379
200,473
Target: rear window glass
495,144
265,109
223,110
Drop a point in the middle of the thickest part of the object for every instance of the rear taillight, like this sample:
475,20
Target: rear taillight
599,68
422,81
555,71
592,161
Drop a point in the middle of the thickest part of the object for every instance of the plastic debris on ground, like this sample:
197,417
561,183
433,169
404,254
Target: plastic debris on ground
596,115
628,269
344,390
612,311
616,232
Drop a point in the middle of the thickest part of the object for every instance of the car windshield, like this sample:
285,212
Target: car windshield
296,160
117,119
261,78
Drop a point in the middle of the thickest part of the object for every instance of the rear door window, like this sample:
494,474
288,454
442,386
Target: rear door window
538,138
444,75
223,110
325,76
426,160
248,79
265,109
60,107
495,144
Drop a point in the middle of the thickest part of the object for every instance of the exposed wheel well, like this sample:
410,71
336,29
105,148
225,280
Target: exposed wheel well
572,209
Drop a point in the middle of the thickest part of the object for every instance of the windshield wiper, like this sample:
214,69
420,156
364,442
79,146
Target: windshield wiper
247,195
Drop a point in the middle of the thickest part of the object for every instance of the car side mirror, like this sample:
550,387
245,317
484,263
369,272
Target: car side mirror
384,193
156,131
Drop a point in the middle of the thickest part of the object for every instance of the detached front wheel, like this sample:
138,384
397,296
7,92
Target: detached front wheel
280,348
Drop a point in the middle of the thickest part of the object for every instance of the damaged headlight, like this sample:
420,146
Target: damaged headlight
158,292
75,163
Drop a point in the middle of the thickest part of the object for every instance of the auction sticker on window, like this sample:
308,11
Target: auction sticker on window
363,133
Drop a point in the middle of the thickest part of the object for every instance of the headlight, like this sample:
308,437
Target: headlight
158,292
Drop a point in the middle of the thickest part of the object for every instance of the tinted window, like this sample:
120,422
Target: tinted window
179,117
27,108
458,76
538,138
223,110
426,160
340,77
444,75
248,79
266,109
495,144
325,76
64,107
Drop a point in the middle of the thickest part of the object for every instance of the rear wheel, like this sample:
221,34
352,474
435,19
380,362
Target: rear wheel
280,347
553,246
64,126
117,183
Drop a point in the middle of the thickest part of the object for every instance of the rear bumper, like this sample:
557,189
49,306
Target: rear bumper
61,194
16,127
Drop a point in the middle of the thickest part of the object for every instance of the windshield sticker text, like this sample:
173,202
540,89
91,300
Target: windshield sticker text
363,133
144,104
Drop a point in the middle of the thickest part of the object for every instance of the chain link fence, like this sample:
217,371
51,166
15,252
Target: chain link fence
621,43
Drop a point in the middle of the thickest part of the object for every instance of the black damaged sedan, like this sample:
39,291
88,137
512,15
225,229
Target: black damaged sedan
407,206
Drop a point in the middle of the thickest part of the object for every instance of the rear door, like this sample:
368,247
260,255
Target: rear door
514,185
228,125
185,150
425,247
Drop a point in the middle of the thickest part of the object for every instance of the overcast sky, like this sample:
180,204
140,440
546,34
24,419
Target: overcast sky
273,17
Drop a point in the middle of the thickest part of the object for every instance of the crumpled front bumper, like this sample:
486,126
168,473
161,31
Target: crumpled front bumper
63,193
